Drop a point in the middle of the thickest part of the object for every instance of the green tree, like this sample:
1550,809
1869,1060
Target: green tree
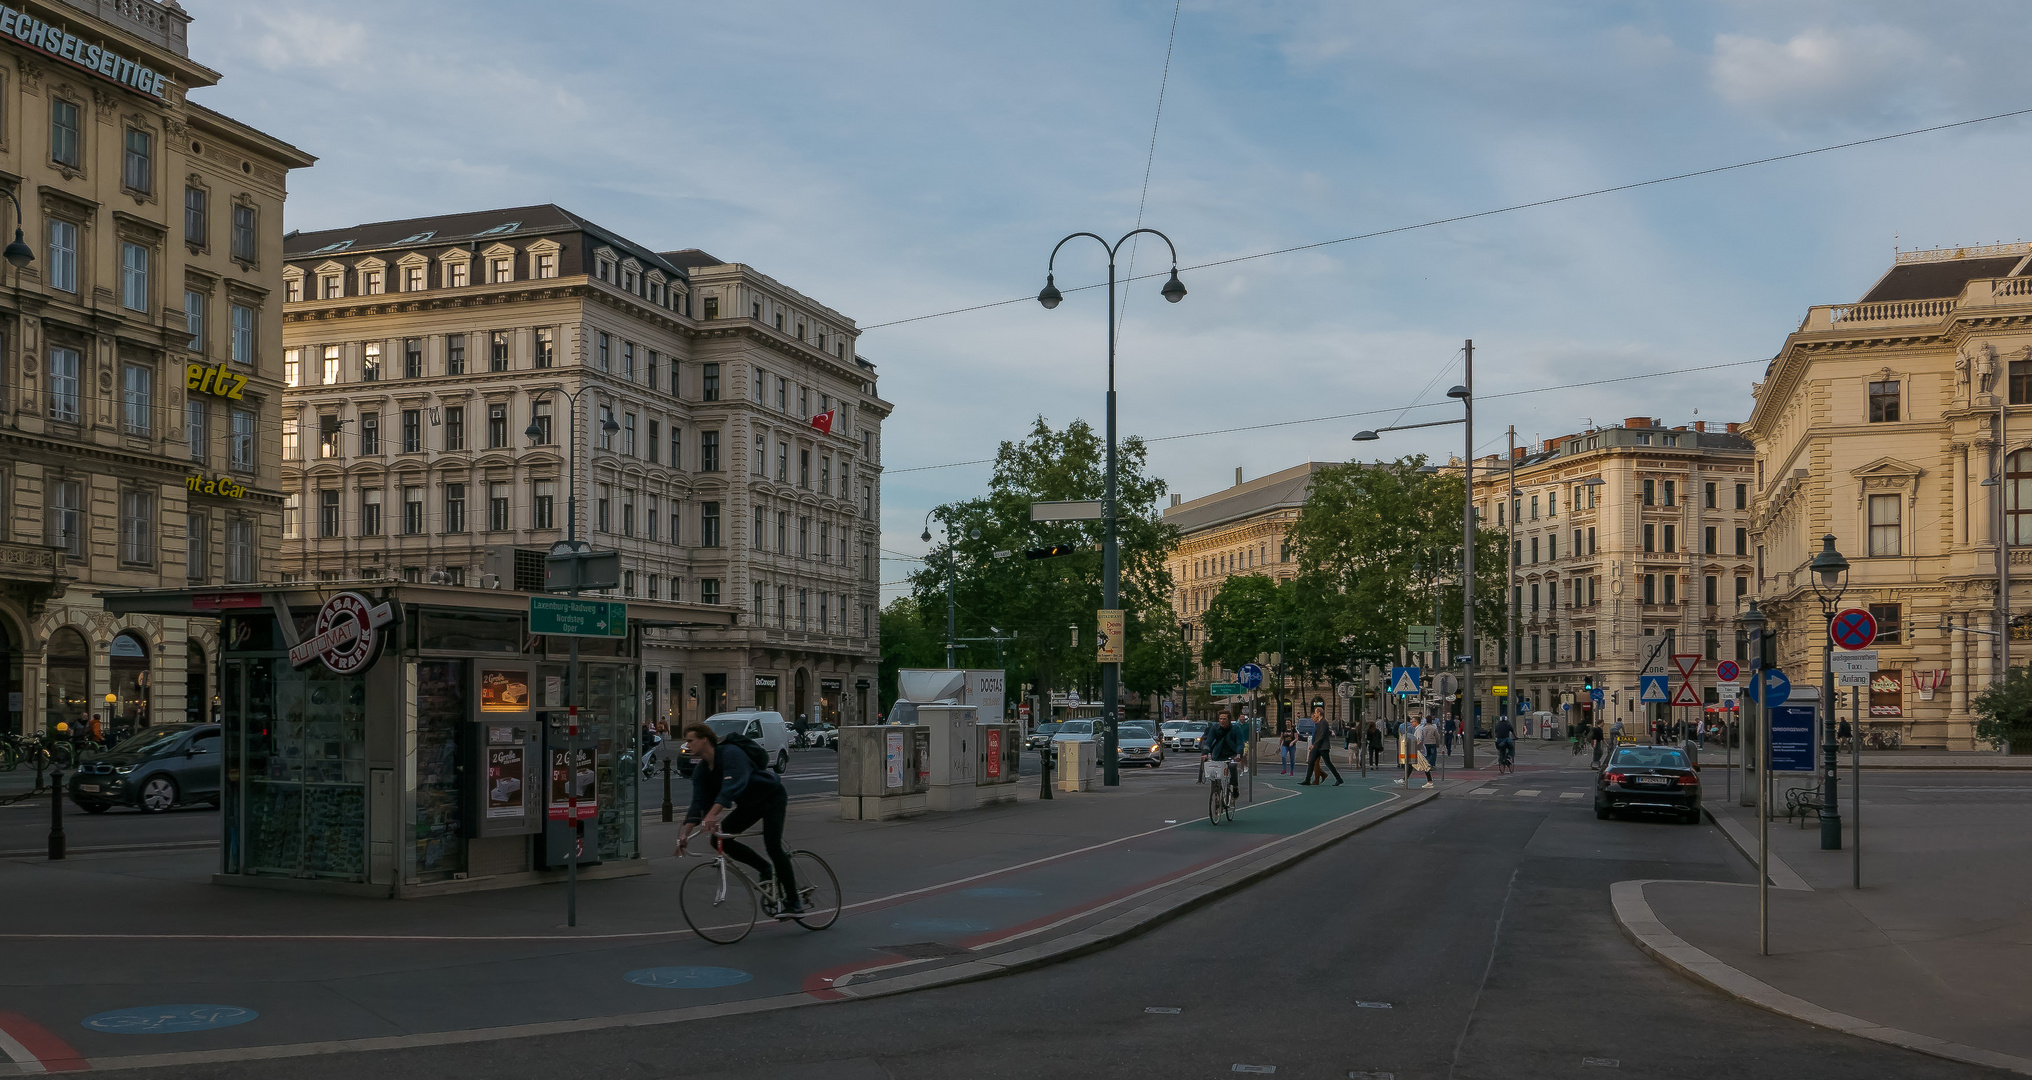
2004,711
910,638
1041,602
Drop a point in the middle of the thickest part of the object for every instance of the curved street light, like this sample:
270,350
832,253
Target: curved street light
1111,565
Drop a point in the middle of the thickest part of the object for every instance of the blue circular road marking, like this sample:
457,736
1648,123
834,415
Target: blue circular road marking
687,978
942,926
1000,893
168,1019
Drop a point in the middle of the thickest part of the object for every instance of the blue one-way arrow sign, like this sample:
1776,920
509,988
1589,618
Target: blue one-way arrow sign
1655,688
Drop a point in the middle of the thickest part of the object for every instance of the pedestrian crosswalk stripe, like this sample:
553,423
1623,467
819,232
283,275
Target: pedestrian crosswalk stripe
1527,794
1485,791
1571,794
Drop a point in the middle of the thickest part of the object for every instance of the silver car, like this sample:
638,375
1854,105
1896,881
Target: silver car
1139,744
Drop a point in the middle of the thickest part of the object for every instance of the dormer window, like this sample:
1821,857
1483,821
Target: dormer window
606,270
500,269
628,280
418,238
292,290
455,275
415,278
373,282
712,307
546,265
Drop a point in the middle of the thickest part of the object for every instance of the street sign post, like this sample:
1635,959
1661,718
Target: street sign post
1686,695
1858,662
577,618
1853,628
1252,676
1421,638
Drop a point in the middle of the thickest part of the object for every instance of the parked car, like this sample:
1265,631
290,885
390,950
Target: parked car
1650,779
154,769
1188,738
1041,735
767,728
1138,744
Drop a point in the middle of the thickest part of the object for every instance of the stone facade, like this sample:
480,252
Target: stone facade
420,352
142,354
1602,572
1878,424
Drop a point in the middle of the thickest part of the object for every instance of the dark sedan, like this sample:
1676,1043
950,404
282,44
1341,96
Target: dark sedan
154,769
1649,779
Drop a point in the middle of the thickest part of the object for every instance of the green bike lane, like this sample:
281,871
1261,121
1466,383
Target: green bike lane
118,950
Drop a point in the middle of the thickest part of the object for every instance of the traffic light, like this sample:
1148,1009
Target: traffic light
1588,683
1051,552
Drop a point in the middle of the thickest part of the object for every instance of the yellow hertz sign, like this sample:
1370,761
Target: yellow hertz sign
217,485
214,380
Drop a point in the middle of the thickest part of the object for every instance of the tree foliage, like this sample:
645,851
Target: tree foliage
1040,601
910,638
2004,710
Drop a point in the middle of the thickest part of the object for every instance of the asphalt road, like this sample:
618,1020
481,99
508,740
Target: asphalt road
1468,938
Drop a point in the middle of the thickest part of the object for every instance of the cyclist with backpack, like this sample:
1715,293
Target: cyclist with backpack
732,788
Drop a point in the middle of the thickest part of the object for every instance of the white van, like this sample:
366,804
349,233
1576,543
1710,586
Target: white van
767,728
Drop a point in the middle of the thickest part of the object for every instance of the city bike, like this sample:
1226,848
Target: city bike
721,899
1220,797
1506,757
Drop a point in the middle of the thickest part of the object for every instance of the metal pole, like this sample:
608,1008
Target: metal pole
667,808
1510,597
1763,829
948,596
2003,552
571,679
1111,566
1830,792
1468,570
57,842
1856,780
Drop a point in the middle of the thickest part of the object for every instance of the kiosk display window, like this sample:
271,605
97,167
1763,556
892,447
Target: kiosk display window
504,690
610,695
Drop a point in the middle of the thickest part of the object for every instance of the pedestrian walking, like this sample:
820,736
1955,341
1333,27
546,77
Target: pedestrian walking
1287,752
1374,743
1449,736
1595,740
1428,740
1321,762
1616,733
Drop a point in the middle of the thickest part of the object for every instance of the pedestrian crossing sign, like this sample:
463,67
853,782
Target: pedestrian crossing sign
1404,680
1656,688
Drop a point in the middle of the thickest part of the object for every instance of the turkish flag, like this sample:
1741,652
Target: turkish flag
824,421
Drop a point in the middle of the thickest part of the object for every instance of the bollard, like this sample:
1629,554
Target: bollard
666,788
56,832
1045,753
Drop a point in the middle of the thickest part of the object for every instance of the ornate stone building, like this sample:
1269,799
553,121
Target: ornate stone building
419,354
1886,423
141,345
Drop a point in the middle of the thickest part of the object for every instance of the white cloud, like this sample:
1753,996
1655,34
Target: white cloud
1819,74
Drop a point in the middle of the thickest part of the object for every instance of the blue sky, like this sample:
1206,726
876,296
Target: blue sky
899,159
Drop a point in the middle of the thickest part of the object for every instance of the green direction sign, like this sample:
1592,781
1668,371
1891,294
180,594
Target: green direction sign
577,618
1224,689
1421,638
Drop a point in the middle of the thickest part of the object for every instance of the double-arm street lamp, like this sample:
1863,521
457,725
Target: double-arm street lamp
1830,580
1111,560
1465,394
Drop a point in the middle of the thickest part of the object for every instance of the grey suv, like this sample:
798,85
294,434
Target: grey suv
155,769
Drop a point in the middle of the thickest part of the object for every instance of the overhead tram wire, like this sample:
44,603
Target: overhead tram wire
1400,410
1492,213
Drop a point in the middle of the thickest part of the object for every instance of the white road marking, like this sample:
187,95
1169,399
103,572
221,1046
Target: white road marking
1483,791
1255,1069
1163,1010
23,1060
1573,794
1527,793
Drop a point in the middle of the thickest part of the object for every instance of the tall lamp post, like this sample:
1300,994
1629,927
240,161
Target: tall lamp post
538,434
1111,556
1830,580
1465,394
950,604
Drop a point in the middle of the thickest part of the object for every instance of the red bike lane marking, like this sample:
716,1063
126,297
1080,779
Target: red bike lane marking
45,1052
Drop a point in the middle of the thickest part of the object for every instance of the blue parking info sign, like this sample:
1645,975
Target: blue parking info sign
1792,728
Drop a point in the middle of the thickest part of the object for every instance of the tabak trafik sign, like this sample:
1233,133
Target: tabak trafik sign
348,636
74,50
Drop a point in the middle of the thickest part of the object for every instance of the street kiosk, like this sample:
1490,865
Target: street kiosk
406,740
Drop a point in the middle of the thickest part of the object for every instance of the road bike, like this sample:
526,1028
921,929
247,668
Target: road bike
1220,797
1506,757
721,898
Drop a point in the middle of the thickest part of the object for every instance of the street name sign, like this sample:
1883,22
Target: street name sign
1068,510
1224,689
1421,638
577,618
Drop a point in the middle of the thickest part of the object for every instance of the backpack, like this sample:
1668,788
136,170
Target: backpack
757,756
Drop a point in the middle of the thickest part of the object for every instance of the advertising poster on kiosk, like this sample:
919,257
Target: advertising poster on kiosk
994,737
572,771
505,766
504,690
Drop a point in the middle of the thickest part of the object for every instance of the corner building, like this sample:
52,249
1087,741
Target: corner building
1661,546
728,440
1886,423
140,360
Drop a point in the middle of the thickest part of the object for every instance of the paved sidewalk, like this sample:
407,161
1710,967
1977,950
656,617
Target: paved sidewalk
1932,953
935,899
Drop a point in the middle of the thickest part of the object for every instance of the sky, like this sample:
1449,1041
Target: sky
895,160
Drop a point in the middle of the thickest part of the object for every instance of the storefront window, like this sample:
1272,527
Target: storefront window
69,682
612,699
765,692
440,847
129,659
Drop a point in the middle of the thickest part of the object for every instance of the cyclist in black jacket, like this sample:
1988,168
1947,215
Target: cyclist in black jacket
1223,744
726,784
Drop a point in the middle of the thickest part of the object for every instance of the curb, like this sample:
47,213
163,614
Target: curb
1637,922
1103,935
1782,876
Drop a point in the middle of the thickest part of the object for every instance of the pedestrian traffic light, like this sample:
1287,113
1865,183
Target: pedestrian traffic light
1588,683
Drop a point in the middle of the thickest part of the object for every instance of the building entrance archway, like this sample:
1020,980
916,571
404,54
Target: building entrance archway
67,663
128,658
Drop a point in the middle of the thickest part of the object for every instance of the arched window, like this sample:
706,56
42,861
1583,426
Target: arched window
128,657
2018,497
69,666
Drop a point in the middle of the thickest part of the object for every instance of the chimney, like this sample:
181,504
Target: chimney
1176,499
1735,429
1637,422
1518,453
1548,446
1700,425
1238,480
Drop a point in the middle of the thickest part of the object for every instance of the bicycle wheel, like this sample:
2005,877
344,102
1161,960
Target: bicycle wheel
818,890
721,909
1227,802
1213,806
